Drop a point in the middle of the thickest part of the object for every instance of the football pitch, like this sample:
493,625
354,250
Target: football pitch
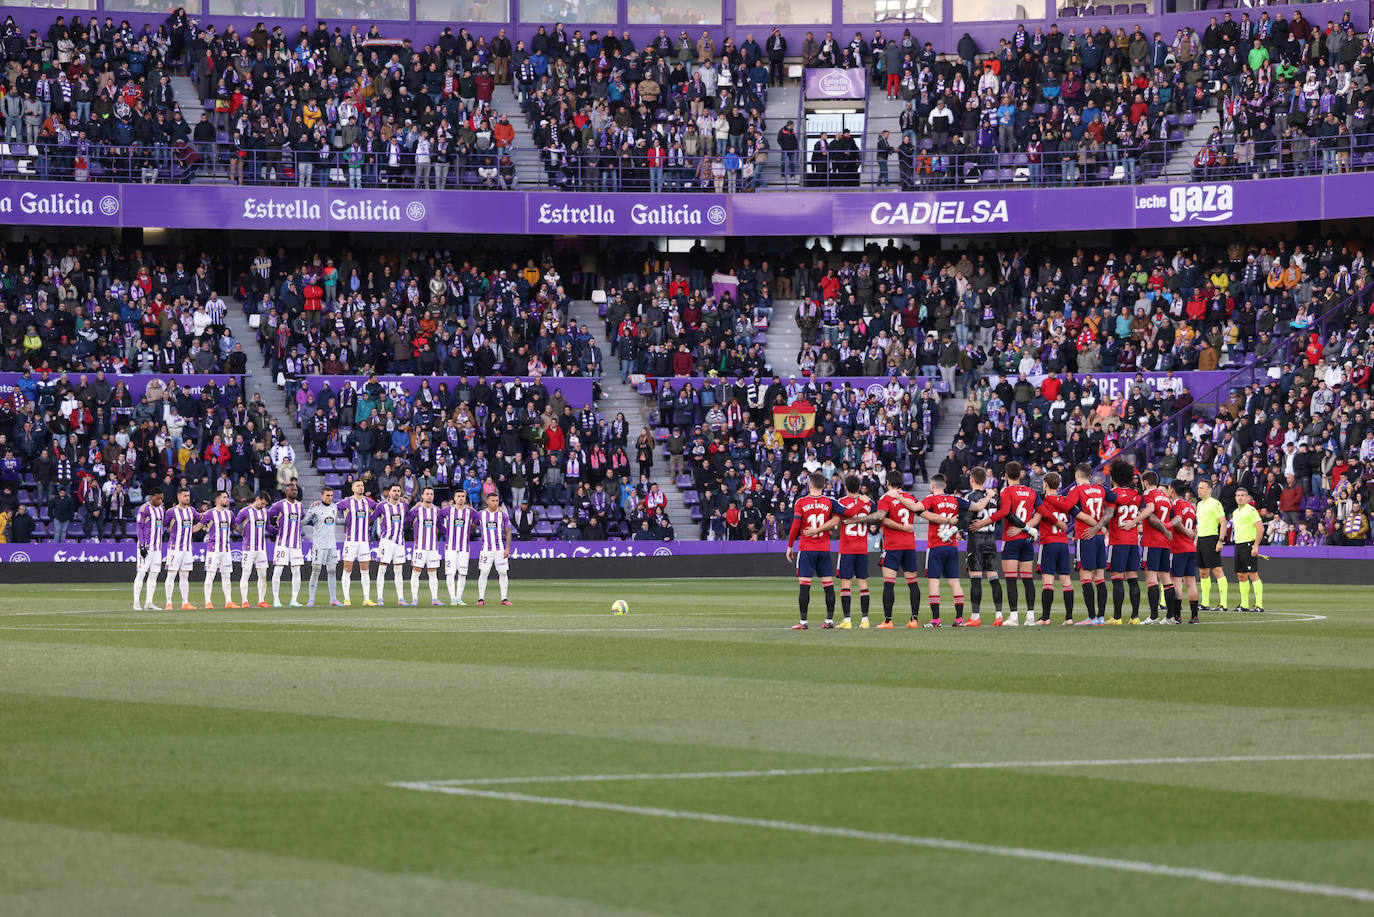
694,757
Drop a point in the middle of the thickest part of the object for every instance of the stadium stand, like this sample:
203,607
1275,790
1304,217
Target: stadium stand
346,107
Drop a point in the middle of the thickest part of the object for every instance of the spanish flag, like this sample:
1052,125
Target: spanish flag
796,420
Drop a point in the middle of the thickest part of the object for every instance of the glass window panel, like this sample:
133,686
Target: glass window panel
68,5
783,12
259,9
363,9
137,6
551,11
675,12
879,11
998,10
462,10
1072,8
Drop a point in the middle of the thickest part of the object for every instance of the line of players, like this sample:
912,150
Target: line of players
1165,531
165,537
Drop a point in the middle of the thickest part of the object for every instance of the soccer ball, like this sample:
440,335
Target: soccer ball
620,607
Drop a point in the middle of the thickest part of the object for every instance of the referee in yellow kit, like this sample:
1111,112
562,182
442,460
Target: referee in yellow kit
1211,532
1249,529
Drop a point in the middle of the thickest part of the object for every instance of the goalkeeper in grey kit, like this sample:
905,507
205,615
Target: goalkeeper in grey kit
323,519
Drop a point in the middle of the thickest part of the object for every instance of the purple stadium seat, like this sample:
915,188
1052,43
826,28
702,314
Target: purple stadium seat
1069,12
543,529
333,480
1138,9
1121,9
684,481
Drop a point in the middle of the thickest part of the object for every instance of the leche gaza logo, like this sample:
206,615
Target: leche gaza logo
952,212
834,83
1193,203
639,215
59,204
307,211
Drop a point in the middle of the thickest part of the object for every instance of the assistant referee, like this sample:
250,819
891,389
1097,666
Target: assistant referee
1211,531
1249,529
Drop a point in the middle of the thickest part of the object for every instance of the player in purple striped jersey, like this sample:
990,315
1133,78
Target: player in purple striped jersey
182,522
357,515
252,522
424,522
287,552
457,521
390,516
218,522
150,530
494,525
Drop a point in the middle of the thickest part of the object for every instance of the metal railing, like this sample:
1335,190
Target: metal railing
524,168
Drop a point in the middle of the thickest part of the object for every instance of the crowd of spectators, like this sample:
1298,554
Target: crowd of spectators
346,107
77,452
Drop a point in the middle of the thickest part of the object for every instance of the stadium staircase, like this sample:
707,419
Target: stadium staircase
187,98
784,104
784,338
260,382
639,412
1180,164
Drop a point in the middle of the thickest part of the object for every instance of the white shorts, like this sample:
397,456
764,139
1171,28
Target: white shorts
177,561
357,550
152,563
425,560
457,561
324,554
219,561
391,552
283,556
487,559
254,559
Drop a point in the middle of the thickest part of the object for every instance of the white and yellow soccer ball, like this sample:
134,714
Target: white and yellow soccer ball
620,607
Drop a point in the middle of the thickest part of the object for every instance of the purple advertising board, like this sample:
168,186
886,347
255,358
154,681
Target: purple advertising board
837,83
796,212
125,552
577,391
1210,386
873,385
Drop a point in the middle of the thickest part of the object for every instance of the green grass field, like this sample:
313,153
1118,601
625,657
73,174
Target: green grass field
416,760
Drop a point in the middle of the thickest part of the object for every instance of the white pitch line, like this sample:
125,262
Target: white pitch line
934,843
135,628
883,768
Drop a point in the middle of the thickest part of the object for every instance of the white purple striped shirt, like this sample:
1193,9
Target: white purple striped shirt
288,515
181,521
151,526
393,516
495,527
219,529
357,513
254,524
424,521
457,527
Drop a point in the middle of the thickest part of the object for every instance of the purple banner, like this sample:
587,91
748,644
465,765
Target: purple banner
870,385
627,214
12,383
796,212
126,552
578,391
1210,386
837,83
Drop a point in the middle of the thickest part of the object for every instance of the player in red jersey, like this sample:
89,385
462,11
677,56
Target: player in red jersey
942,549
1056,512
854,553
1156,536
899,511
1184,552
1092,499
1123,536
810,516
1018,505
